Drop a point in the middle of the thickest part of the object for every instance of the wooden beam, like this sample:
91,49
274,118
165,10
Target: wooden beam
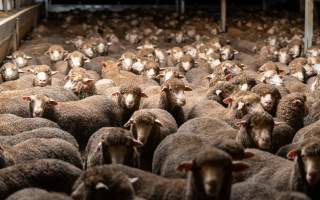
223,15
308,23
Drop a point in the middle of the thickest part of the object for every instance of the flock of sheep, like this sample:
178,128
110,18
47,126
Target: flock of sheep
153,105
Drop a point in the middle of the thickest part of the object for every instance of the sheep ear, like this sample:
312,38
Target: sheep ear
208,77
133,180
292,154
128,124
136,142
158,122
53,73
228,77
228,100
101,185
9,57
26,98
241,124
239,167
162,69
180,76
143,95
46,53
187,88
88,81
185,166
86,59
248,155
159,76
164,88
66,77
116,94
52,102
20,71
27,57
218,92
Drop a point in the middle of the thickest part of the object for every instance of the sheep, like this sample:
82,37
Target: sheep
168,73
210,177
127,60
300,175
292,109
51,174
149,127
256,190
10,72
220,91
42,75
99,111
172,98
103,182
40,148
255,130
111,145
13,125
19,58
12,101
297,69
151,69
180,147
269,97
79,82
44,132
37,194
244,81
128,98
186,63
56,53
75,59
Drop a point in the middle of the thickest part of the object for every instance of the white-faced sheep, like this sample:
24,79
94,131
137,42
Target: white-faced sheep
19,58
39,148
149,127
12,102
51,174
103,182
10,72
37,194
269,97
172,98
42,75
210,177
56,53
128,98
112,145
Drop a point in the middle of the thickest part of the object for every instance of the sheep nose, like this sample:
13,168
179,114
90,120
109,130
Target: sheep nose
37,113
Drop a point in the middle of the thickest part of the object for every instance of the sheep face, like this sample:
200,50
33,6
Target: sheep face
10,72
129,97
268,102
88,49
283,56
186,63
38,104
309,153
127,60
76,59
258,127
42,75
19,58
175,92
212,170
295,51
227,53
168,74
78,85
56,53
272,78
141,124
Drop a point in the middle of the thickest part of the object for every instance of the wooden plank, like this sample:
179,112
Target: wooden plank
223,15
308,21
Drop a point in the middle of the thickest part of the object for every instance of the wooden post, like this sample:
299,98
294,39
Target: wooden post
223,15
177,6
183,7
308,23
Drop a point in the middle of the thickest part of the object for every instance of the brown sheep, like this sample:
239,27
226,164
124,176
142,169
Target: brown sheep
111,145
39,148
269,97
292,110
75,59
149,127
210,177
56,53
103,182
128,98
172,98
51,174
300,175
220,91
37,194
